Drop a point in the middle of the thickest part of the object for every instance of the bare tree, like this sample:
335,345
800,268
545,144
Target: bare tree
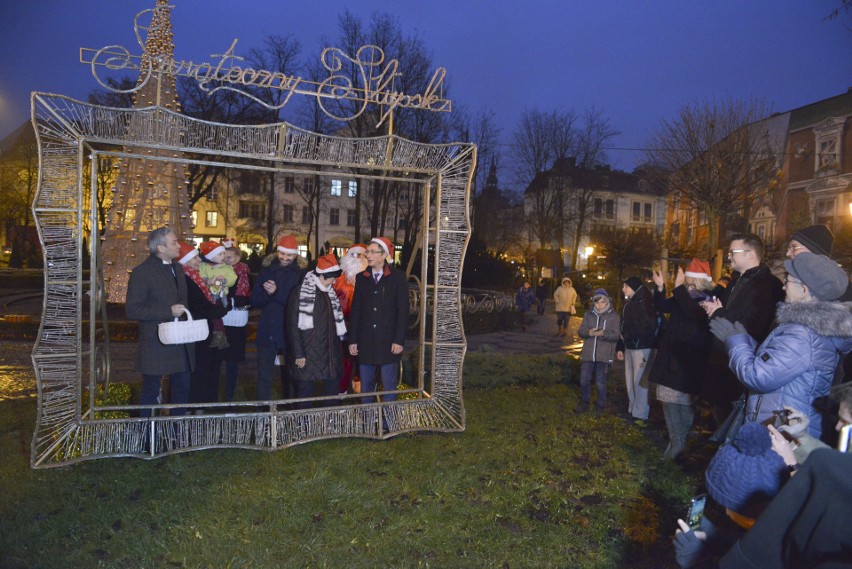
540,139
18,181
594,133
719,165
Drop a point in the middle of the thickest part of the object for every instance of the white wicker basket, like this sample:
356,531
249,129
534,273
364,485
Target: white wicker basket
183,331
236,317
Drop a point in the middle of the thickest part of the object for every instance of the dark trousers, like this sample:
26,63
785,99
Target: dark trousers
390,375
598,372
178,386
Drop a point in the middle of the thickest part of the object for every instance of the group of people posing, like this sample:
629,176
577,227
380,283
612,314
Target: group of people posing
316,324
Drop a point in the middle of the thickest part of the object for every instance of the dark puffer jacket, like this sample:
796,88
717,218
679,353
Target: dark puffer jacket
639,322
320,346
683,345
796,362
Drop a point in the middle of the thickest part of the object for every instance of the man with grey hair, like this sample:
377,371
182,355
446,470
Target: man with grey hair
156,293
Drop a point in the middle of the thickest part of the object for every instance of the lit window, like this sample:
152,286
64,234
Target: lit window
194,217
353,188
212,218
336,187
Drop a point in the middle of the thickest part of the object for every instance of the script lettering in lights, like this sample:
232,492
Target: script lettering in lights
371,84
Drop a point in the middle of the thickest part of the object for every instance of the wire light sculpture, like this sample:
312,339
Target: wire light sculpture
71,361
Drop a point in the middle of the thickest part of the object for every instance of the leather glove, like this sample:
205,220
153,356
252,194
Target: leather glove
797,423
723,328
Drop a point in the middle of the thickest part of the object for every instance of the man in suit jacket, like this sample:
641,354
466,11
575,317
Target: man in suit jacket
156,293
378,319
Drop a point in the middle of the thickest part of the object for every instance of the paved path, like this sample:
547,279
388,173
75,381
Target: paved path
540,337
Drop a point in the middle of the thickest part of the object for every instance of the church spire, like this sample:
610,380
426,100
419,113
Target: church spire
491,181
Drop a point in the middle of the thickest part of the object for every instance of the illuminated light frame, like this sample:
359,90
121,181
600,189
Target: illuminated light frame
67,358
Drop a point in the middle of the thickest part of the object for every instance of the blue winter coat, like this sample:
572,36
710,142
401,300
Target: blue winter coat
524,299
796,362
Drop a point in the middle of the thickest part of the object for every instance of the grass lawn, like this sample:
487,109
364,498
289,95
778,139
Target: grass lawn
528,484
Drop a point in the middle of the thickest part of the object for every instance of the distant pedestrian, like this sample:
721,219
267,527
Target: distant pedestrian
566,300
524,299
600,330
541,294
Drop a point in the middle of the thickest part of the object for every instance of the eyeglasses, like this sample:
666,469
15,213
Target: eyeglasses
374,251
732,251
794,247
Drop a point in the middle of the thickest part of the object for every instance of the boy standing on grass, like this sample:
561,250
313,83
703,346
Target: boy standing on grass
600,331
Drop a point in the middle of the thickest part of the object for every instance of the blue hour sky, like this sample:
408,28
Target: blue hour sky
636,61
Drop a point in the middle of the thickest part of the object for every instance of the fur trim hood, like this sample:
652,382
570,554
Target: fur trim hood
824,318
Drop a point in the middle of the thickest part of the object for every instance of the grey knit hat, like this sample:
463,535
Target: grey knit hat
823,277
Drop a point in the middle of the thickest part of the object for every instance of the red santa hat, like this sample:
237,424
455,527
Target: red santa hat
698,270
385,244
210,249
187,252
327,266
357,248
229,242
287,244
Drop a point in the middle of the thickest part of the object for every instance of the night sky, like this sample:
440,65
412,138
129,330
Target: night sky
638,62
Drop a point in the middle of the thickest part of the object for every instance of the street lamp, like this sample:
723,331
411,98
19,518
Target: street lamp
589,251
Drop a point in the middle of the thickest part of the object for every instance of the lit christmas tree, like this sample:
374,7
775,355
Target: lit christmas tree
149,193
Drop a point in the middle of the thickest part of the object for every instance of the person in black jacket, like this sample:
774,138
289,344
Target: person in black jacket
156,293
314,328
681,349
270,295
638,330
751,301
379,319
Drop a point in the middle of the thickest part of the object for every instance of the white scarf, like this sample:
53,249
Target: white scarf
307,298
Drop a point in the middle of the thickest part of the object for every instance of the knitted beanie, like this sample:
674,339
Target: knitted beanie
817,238
634,282
746,472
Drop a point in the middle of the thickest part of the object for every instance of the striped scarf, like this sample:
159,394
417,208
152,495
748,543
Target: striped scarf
307,299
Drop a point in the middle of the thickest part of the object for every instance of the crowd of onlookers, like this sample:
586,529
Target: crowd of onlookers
763,359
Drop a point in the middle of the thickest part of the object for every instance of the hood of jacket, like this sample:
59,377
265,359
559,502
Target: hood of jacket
824,318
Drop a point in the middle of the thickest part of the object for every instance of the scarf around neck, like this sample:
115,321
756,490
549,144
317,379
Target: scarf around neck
307,299
196,277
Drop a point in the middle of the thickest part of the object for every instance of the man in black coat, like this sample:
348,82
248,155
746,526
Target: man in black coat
379,319
270,294
156,293
751,301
